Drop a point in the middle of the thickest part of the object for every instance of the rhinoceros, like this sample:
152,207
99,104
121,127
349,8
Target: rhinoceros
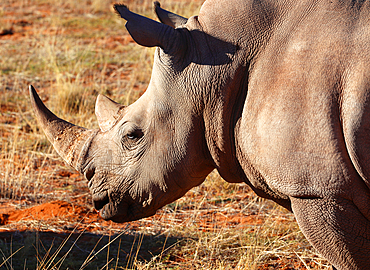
272,93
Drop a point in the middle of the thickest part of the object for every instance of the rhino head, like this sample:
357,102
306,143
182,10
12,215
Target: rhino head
137,161
152,152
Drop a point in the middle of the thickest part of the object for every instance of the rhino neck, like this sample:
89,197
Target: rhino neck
244,26
221,116
248,26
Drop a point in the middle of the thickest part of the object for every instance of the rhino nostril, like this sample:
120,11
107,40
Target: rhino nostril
99,203
89,173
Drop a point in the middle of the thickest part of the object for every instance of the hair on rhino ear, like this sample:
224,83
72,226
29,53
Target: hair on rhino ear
169,18
148,32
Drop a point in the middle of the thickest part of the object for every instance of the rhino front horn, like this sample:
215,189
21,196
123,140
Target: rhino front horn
70,141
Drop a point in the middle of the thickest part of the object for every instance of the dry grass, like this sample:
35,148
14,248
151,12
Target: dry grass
71,51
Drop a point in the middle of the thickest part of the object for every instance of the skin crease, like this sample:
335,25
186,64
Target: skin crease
271,93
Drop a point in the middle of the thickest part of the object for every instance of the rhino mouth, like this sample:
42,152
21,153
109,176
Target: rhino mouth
121,212
100,201
103,204
109,210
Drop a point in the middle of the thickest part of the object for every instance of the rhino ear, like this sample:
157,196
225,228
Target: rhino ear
148,32
169,18
107,112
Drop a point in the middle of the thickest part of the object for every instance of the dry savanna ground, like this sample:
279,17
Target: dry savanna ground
71,51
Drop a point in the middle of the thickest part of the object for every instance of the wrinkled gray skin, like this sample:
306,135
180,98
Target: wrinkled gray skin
272,93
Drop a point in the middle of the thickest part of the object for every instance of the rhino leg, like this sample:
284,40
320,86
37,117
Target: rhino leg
336,228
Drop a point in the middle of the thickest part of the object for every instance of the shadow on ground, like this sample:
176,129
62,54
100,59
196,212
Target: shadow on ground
49,250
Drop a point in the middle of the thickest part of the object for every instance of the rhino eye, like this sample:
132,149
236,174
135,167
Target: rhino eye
136,134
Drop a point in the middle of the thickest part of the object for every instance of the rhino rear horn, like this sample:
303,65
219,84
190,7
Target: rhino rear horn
148,32
169,18
107,112
70,141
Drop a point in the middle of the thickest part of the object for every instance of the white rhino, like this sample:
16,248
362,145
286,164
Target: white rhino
269,92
